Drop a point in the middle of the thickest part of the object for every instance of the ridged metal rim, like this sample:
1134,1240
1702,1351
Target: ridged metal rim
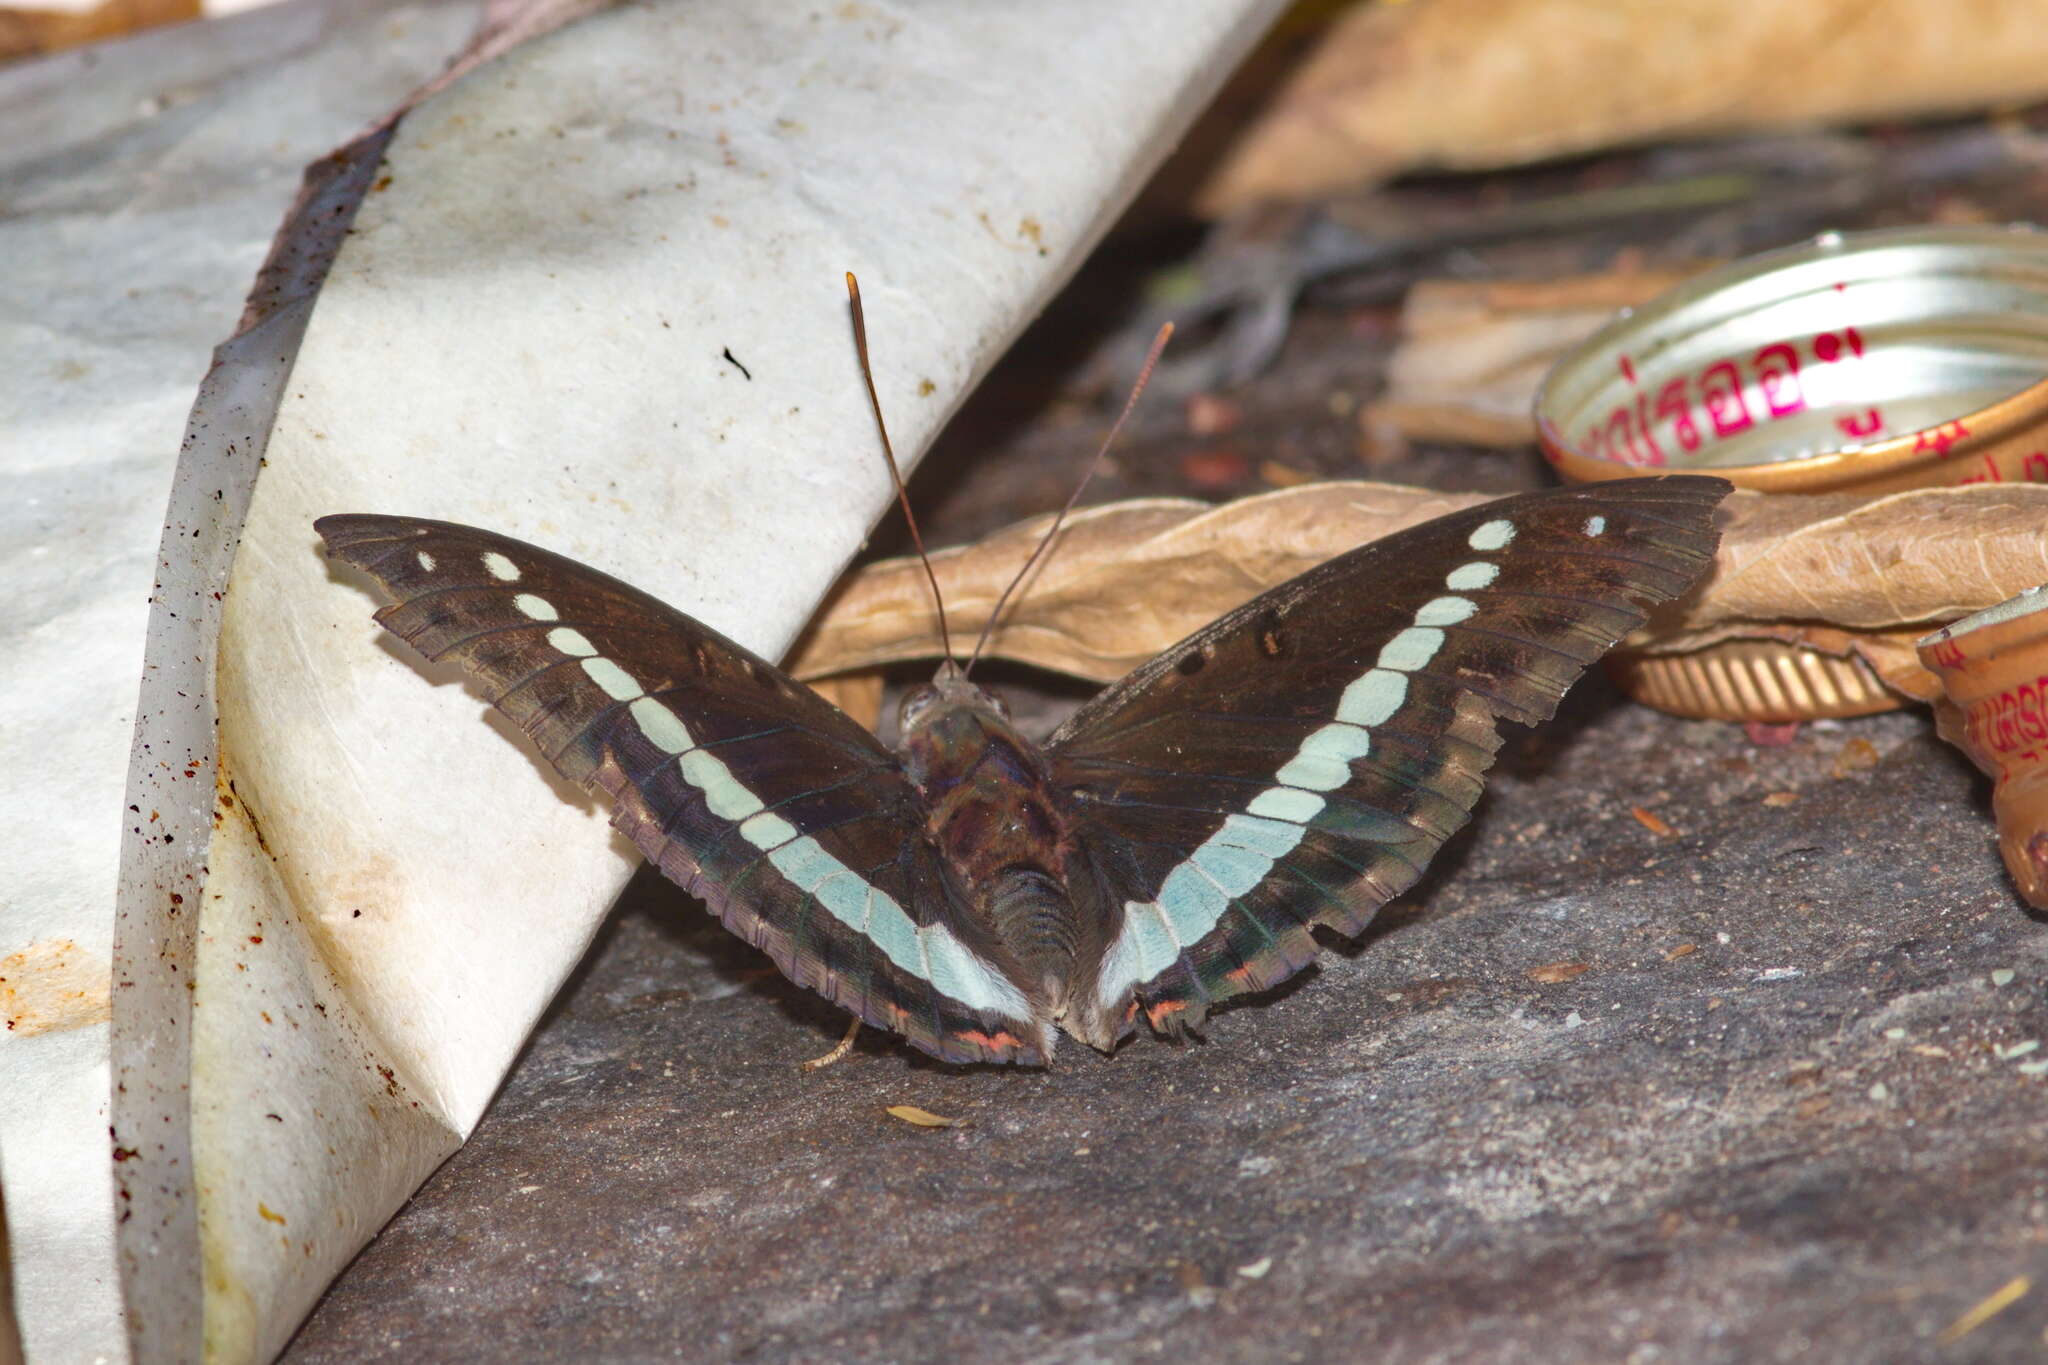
1760,680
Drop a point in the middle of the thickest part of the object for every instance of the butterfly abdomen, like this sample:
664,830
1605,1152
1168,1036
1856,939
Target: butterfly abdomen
995,821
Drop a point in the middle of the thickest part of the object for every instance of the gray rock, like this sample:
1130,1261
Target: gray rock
1778,1124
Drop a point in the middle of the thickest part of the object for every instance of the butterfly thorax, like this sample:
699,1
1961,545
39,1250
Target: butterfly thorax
992,814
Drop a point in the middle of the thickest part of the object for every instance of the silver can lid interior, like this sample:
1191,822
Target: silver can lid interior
1825,347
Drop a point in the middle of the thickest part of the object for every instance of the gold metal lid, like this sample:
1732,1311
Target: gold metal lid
1761,680
1859,362
1862,361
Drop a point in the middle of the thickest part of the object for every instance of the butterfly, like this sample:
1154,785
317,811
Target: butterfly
1176,843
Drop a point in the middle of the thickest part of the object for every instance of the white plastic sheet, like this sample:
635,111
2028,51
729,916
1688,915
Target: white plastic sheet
140,185
375,893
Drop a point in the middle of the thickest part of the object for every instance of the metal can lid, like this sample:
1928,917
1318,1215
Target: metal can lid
1759,680
1894,358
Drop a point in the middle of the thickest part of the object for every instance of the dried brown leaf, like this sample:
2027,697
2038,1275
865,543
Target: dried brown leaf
1852,574
1653,822
1537,78
857,693
1125,580
922,1118
1843,574
1463,420
1864,563
1554,973
1473,352
1859,755
27,30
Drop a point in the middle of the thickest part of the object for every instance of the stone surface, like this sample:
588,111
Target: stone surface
1770,1111
1747,1076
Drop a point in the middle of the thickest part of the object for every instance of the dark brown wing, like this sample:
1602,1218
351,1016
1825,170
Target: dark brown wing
745,787
1299,761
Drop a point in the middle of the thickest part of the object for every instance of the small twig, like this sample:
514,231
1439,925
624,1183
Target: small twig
2002,1298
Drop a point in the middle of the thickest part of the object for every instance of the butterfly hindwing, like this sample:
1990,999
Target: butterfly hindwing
1298,762
746,788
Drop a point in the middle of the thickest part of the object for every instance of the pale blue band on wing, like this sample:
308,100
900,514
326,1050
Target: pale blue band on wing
1196,893
930,952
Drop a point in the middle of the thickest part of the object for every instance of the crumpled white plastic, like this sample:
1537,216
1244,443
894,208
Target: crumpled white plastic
332,934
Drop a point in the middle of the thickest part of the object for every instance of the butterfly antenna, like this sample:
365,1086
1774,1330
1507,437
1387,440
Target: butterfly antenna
867,372
1045,541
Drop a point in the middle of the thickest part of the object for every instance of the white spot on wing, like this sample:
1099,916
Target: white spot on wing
1472,577
844,894
1323,763
1373,698
1189,903
729,800
500,568
617,683
1413,648
536,608
1235,870
571,642
1446,611
426,561
1315,772
1492,535
663,728
1269,839
960,974
889,929
803,860
1596,526
1158,944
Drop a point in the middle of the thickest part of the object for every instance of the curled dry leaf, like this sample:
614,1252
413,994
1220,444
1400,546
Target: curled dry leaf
27,30
1873,563
922,1118
1125,580
1843,574
1653,822
1852,574
1538,78
1473,352
858,694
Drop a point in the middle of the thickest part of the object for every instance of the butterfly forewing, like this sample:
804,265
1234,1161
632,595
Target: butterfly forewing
791,822
1298,762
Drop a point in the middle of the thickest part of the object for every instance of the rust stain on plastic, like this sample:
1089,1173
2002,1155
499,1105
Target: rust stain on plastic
50,986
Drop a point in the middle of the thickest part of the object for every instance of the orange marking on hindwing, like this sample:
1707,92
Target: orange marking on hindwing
1156,1015
1001,1040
